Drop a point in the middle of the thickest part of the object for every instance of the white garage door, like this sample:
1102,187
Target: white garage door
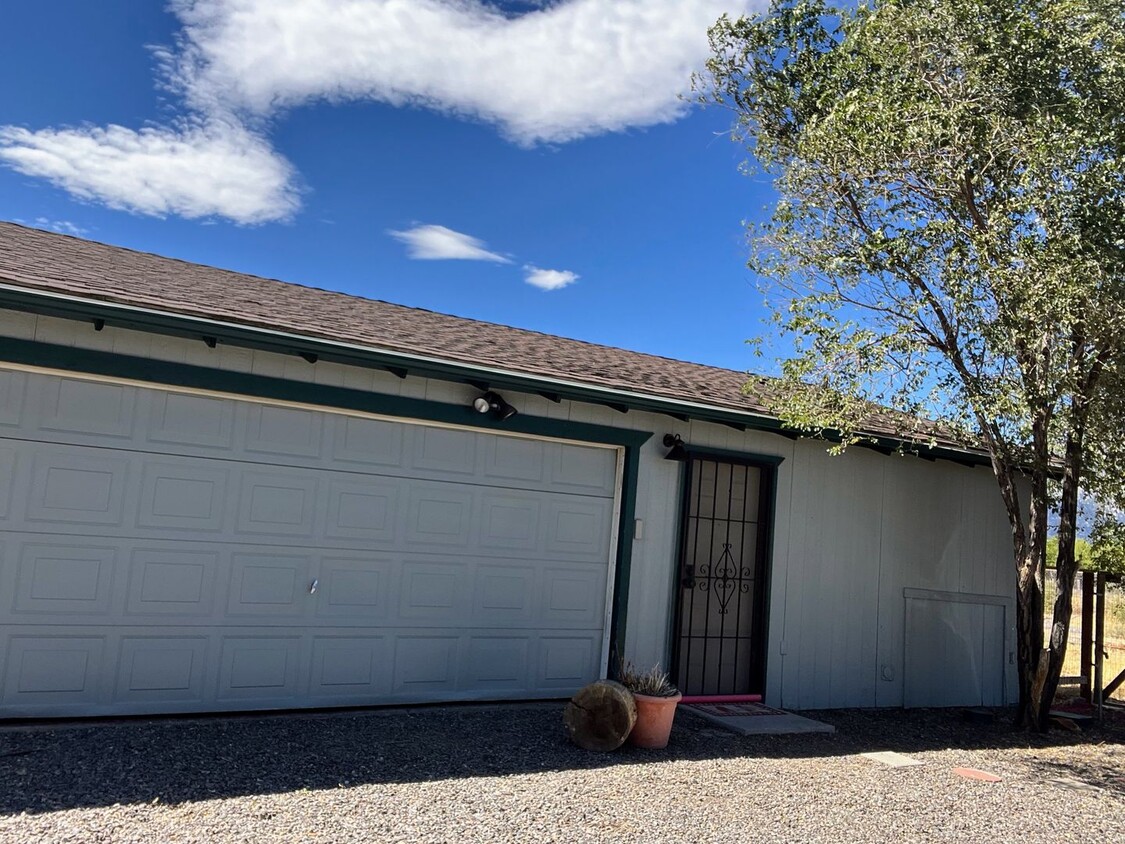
170,552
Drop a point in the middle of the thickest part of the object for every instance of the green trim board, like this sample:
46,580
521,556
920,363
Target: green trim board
268,339
111,365
622,573
770,470
728,456
166,373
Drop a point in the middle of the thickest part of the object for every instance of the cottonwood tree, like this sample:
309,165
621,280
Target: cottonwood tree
949,242
1107,545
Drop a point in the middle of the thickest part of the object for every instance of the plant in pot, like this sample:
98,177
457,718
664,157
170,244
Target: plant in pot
656,699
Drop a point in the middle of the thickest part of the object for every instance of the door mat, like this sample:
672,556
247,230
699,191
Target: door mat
735,710
756,719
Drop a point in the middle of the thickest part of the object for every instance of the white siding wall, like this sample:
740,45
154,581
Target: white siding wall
851,532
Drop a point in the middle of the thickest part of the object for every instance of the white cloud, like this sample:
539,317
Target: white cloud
62,226
556,72
437,243
565,71
194,170
549,279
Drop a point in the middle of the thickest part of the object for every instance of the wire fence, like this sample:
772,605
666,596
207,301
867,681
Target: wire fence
1114,662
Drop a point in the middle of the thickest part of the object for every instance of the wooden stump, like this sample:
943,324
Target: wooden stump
601,716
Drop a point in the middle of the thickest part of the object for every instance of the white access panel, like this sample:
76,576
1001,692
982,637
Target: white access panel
163,551
955,649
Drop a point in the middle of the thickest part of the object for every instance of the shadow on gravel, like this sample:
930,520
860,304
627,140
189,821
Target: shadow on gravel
180,760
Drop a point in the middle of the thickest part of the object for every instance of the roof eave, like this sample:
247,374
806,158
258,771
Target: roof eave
50,303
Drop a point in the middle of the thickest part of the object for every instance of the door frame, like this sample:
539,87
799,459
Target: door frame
767,464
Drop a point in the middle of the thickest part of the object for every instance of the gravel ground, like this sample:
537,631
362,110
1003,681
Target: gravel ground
467,774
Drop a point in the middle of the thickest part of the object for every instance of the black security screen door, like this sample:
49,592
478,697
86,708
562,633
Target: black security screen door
720,632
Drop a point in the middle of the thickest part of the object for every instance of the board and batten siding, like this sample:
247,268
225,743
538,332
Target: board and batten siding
851,534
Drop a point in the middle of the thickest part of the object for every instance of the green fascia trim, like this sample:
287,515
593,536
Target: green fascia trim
728,456
33,353
619,618
156,372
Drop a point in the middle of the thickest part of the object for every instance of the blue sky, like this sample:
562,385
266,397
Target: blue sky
529,164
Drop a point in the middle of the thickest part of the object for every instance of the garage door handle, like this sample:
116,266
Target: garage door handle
312,587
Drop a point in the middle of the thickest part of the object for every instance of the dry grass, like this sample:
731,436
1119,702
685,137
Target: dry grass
1114,662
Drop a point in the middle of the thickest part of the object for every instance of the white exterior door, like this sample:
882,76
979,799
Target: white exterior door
163,551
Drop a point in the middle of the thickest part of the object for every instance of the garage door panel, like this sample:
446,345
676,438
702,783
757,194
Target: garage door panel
69,487
444,450
505,594
350,667
356,589
564,662
439,514
59,578
367,510
13,388
573,596
425,666
435,592
173,582
183,494
284,431
270,584
367,442
64,670
7,478
510,521
87,408
265,668
275,503
521,460
577,528
497,663
582,470
190,420
161,670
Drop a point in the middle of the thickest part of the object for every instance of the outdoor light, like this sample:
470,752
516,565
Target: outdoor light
676,443
493,403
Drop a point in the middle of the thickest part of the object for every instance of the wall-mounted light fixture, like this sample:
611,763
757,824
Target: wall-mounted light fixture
493,403
676,443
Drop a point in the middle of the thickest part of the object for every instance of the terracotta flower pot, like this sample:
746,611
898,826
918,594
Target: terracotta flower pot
654,720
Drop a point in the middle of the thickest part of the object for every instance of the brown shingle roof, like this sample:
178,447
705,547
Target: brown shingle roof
46,261
36,260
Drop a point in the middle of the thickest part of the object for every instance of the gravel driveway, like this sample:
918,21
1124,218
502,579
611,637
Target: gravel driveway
508,774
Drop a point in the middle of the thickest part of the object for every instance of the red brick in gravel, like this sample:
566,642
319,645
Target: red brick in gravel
974,774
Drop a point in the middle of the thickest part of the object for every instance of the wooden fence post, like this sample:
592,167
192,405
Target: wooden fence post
1099,640
1086,651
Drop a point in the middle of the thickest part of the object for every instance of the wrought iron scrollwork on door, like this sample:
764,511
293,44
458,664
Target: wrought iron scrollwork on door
724,579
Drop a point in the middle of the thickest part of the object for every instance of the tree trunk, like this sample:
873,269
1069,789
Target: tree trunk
1029,636
1050,668
1030,585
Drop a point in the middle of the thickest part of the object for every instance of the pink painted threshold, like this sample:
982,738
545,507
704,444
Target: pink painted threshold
721,699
